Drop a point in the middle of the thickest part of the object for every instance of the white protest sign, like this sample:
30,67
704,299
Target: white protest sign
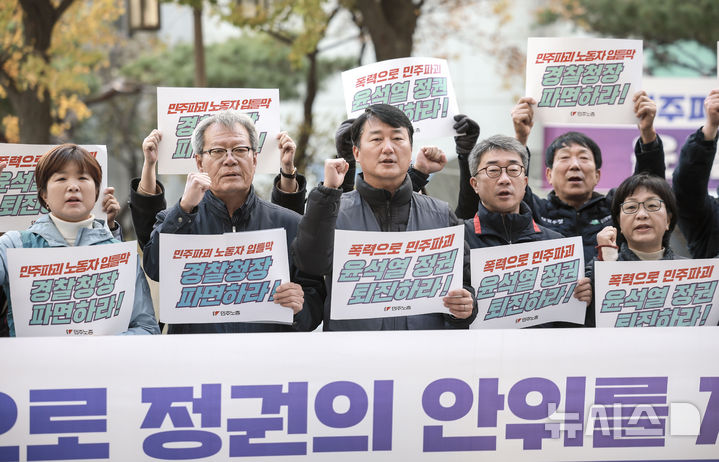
179,110
223,277
522,285
421,87
656,293
19,206
584,80
383,275
62,291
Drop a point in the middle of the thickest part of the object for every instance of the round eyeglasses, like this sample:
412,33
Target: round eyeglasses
650,205
495,171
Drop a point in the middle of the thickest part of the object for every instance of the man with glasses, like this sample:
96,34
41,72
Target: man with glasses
573,165
499,164
219,198
499,179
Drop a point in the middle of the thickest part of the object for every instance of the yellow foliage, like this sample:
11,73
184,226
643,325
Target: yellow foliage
12,129
79,44
301,22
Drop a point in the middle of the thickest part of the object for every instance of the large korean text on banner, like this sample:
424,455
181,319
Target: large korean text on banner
421,87
19,205
584,80
223,278
522,285
179,110
656,293
68,291
380,274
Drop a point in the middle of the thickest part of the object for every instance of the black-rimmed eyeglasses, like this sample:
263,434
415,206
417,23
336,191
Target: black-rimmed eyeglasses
495,171
238,152
650,205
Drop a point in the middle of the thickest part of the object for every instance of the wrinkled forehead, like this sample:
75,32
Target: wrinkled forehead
220,132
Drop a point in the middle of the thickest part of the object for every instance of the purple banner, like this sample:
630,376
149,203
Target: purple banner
617,145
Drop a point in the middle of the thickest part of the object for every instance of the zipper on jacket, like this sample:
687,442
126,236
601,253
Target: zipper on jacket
508,235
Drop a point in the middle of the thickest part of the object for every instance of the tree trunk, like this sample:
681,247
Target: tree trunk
33,115
200,76
33,111
391,25
308,121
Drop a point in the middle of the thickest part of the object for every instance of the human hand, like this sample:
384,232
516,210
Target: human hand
583,291
335,170
468,132
711,109
607,236
287,152
646,110
430,159
110,206
459,302
290,295
195,187
523,118
150,145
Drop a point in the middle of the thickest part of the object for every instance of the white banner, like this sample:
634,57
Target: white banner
584,80
421,87
179,110
497,395
522,285
656,293
228,277
382,275
19,206
64,291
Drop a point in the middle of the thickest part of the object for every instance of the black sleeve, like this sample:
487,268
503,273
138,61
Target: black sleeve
468,200
293,201
310,316
313,246
144,209
174,221
697,211
650,157
419,179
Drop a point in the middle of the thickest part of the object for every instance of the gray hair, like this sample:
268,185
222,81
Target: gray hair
500,143
229,119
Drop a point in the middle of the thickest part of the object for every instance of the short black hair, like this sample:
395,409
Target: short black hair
390,115
653,183
568,139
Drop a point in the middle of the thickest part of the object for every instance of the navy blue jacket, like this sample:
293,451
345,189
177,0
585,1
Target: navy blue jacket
211,217
591,217
489,229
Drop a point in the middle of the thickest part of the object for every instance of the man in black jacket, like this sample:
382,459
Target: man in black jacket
219,198
699,212
499,165
573,164
382,201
